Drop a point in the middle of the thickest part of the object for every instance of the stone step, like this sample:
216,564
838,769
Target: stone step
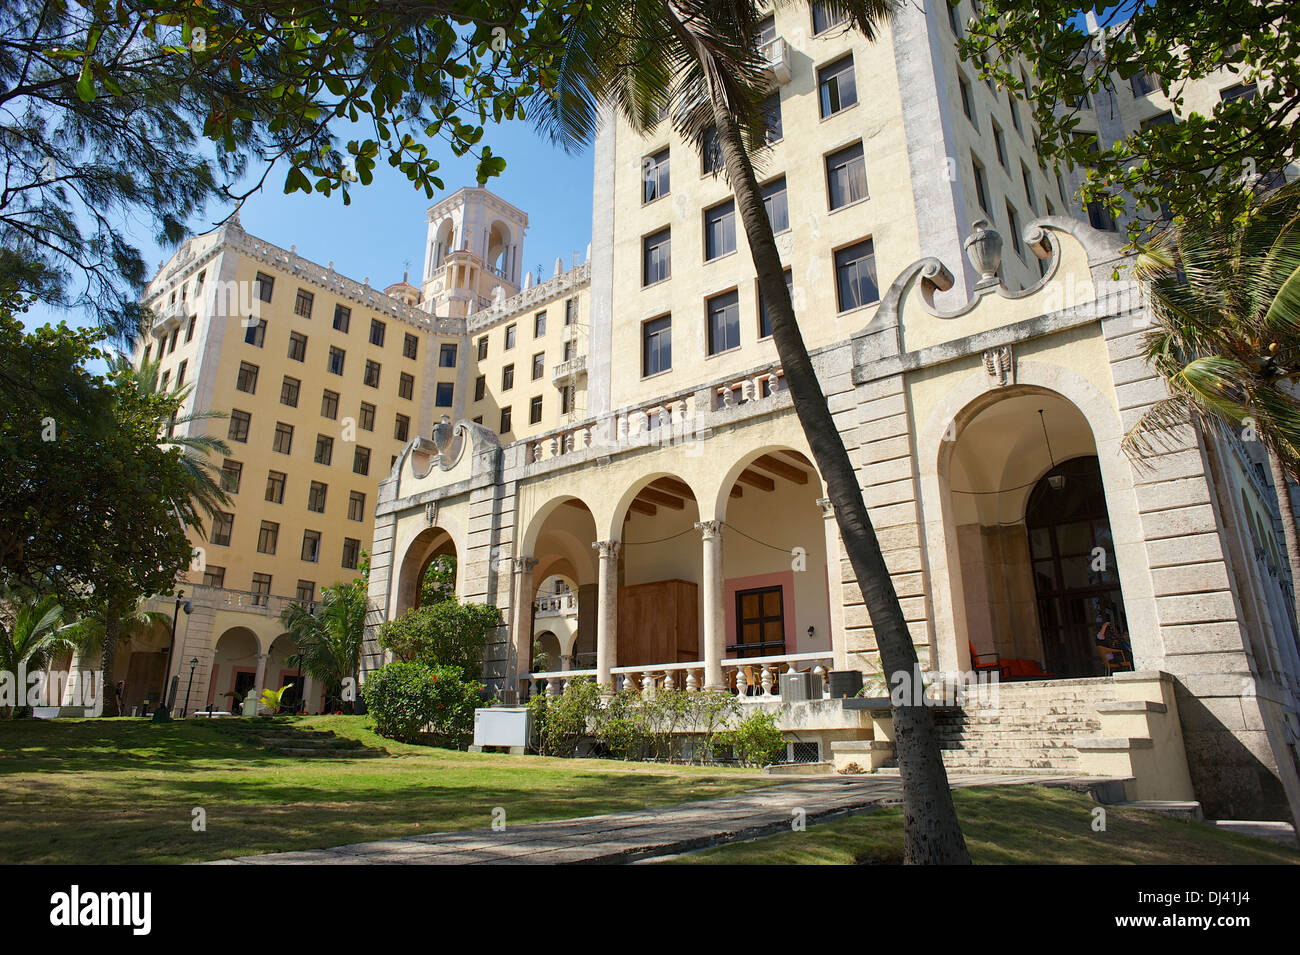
357,753
279,742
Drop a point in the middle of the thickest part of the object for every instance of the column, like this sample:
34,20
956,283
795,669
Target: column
835,584
715,627
259,681
523,614
606,610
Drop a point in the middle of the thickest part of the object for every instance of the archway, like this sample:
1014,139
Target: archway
430,544
498,250
283,671
142,663
234,667
560,538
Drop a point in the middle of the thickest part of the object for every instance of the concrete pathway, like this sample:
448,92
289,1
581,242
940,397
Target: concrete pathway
630,836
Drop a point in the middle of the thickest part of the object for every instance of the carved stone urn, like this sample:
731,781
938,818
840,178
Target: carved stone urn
984,249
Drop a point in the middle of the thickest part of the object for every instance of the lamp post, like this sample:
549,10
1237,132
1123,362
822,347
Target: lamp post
186,708
163,713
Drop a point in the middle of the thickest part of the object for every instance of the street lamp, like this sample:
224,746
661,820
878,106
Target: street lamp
185,709
163,713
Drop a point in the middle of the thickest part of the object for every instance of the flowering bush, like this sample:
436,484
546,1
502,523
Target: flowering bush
417,703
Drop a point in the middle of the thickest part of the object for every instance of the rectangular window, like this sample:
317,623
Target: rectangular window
846,176
505,420
356,506
1099,217
482,347
570,311
324,449
405,385
371,375
764,321
656,176
480,387
724,322
568,350
539,365
263,285
411,346
289,389
222,526
311,546
539,324
837,86
268,536
656,257
232,473
342,318
823,17
367,416
275,481
777,204
447,355
657,345
720,230
239,424
262,587
967,100
329,404
283,440
189,328
981,183
298,346
710,152
171,346
510,337
302,303
376,332
306,592
760,621
214,576
1029,192
351,552
507,377
401,427
855,276
335,365
166,377
180,374
316,497
1013,223
361,460
1143,83
255,332
535,410
1000,144
771,110
1015,113
566,399
444,394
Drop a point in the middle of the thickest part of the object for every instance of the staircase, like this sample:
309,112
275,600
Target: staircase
286,740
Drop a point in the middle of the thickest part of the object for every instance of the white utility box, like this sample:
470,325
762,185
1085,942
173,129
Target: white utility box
506,726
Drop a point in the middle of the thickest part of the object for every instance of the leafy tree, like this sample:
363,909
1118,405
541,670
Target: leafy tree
412,701
1225,302
439,581
1203,166
699,63
329,635
445,633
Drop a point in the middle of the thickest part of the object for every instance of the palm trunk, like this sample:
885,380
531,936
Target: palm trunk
932,834
112,628
1290,535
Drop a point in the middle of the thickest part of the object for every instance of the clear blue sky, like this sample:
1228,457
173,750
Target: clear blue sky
385,226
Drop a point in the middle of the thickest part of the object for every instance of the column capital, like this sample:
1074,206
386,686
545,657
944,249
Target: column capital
525,565
608,548
709,530
828,509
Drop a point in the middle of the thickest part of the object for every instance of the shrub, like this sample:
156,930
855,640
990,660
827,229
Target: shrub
447,633
755,741
561,722
414,703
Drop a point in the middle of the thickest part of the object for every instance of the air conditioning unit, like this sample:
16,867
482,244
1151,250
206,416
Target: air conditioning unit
796,687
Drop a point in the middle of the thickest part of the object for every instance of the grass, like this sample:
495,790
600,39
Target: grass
1012,826
123,790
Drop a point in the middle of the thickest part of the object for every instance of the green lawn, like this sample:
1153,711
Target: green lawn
122,791
1013,825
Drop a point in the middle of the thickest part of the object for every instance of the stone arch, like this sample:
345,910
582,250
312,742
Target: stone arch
235,656
622,508
722,493
430,543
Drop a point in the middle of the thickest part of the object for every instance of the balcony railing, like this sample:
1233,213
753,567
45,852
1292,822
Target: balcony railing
557,605
573,368
777,54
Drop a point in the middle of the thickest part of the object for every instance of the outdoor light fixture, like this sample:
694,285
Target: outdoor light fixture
163,713
1055,481
194,662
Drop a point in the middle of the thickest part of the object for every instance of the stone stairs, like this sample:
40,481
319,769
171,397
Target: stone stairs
287,740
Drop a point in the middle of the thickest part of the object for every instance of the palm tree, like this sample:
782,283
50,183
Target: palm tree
1225,303
36,633
329,637
698,61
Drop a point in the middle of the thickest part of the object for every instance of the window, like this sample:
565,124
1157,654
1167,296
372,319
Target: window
710,152
447,355
342,318
656,257
720,230
361,460
657,345
765,32
566,399
823,18
268,536
846,176
405,385
262,587
411,346
189,328
568,350
967,100
776,203
482,347
771,110
231,473
166,377
351,552
724,322
1015,113
507,377
444,395
760,621
1000,144
180,373
329,404
401,427
570,311
1143,83
316,497
764,321
837,86
324,449
255,331
239,424
222,526
505,420
656,176
275,481
535,410
302,303
311,546
376,332
289,389
263,285
539,365
855,276
510,337
480,387
356,506
371,375
1013,223
1099,217
298,346
981,183
171,342
1029,192
283,440
953,14
145,360
367,417
539,324
335,365
214,576
306,592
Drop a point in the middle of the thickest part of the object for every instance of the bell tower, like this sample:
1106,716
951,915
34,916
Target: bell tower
472,252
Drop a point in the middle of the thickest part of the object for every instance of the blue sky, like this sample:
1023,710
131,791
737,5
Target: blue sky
385,226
